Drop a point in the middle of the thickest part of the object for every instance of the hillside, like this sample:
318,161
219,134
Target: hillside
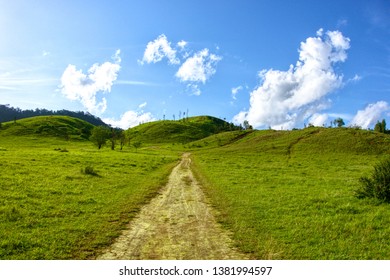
291,194
8,113
59,126
315,140
182,131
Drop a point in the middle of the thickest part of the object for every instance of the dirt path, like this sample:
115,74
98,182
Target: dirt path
177,224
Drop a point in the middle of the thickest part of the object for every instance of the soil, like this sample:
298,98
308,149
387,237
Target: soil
178,224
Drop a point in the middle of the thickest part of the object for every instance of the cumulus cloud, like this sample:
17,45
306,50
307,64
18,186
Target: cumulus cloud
285,99
370,115
158,49
76,85
198,68
130,119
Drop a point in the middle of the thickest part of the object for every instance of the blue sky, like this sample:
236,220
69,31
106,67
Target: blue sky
280,64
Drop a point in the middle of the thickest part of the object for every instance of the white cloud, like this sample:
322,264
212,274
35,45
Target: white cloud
370,115
287,98
76,85
198,68
182,44
130,119
194,89
355,78
235,91
143,105
116,57
158,49
319,119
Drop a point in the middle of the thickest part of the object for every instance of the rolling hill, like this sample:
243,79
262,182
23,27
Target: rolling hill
283,194
59,126
314,140
183,131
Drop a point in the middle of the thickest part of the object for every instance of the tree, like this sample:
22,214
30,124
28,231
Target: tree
380,126
122,138
137,145
113,138
100,135
339,122
247,126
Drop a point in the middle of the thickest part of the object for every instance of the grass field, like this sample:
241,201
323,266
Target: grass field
51,208
290,195
283,194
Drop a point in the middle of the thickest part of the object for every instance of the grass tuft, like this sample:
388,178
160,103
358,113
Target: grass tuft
89,170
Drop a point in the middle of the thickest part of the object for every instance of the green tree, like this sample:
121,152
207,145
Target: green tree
137,145
122,138
115,135
247,125
339,122
100,135
380,126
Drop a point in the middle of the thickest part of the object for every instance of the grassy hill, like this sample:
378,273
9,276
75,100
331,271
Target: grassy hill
59,126
182,131
291,194
64,199
283,194
315,140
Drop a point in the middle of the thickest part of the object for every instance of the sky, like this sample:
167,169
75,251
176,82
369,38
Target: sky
279,64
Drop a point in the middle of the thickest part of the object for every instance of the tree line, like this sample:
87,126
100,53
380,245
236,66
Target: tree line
103,135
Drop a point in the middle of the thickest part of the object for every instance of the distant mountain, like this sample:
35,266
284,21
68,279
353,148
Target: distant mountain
8,113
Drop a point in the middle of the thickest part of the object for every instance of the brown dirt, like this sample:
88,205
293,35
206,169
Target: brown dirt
177,224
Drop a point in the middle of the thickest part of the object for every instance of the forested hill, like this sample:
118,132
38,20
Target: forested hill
8,113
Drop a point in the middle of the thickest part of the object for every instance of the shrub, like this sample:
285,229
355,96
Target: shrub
378,185
89,170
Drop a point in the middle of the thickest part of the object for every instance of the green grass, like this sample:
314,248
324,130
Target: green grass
290,195
50,209
62,127
178,132
283,194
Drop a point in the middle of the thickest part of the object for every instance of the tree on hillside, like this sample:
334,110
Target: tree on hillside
122,138
380,126
247,126
339,122
116,134
113,138
137,145
100,135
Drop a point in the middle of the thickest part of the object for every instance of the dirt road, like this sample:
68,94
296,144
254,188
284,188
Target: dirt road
178,224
